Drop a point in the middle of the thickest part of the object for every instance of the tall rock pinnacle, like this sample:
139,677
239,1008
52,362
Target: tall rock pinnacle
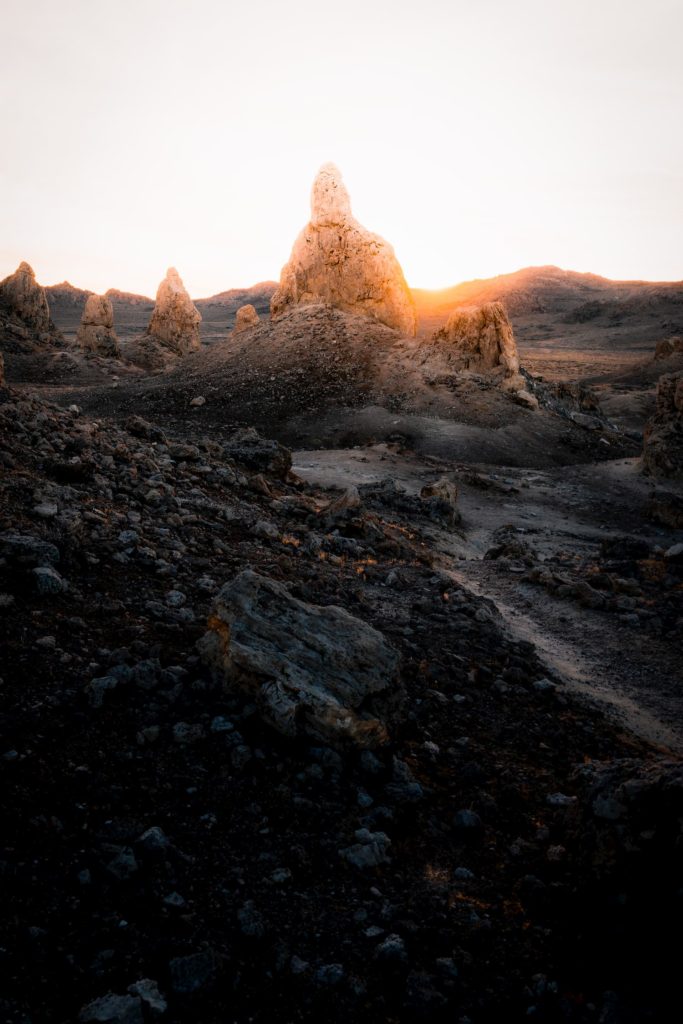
25,299
175,320
96,333
338,262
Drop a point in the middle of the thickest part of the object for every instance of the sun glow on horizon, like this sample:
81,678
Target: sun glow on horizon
476,139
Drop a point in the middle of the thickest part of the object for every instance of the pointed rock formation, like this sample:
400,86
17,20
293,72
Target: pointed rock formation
663,436
245,318
96,333
175,320
26,314
337,261
173,329
480,339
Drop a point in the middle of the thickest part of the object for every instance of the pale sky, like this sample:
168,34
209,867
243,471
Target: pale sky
477,136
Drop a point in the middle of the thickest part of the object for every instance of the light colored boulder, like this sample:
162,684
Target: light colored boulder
480,339
96,332
338,262
246,317
175,319
312,670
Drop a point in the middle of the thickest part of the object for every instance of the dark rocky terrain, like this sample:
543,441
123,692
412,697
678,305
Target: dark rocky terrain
264,825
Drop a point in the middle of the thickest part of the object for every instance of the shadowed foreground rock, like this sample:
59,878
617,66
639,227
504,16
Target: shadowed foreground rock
313,670
96,333
337,261
663,438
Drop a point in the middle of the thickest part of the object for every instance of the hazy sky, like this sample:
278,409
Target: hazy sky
477,136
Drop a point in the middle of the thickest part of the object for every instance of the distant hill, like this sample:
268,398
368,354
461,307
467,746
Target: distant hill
550,306
550,309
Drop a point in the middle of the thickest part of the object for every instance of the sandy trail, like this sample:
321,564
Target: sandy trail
635,676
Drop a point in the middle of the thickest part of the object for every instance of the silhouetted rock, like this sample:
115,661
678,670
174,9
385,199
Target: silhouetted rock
337,261
663,437
96,333
24,312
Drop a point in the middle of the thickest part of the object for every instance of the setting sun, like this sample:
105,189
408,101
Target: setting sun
475,138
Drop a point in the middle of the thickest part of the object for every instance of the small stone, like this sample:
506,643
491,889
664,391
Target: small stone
329,975
197,402
392,949
467,821
175,599
154,841
191,973
184,732
48,581
113,1009
123,864
148,991
251,920
370,851
560,800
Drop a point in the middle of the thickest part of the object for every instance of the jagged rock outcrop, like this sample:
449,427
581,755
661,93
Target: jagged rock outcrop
479,338
663,436
337,261
173,329
246,317
25,315
313,670
96,333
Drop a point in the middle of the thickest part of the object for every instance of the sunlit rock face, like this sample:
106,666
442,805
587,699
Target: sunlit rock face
663,436
175,320
246,317
25,301
479,339
96,333
337,261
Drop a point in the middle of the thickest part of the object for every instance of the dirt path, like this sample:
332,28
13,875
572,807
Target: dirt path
634,674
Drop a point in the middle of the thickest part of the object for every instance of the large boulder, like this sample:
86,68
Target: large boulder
173,329
313,670
24,312
479,339
337,261
96,332
246,317
663,436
